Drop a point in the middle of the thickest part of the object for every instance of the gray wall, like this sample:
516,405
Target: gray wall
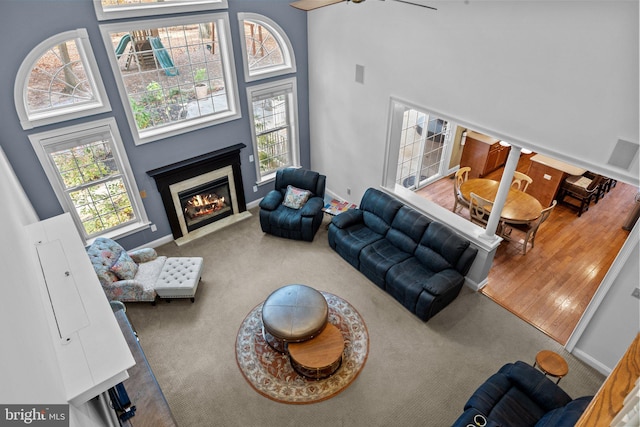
26,23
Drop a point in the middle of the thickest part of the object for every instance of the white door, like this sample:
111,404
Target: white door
423,142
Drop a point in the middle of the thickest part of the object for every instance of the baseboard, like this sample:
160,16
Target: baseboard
474,285
155,243
595,364
254,204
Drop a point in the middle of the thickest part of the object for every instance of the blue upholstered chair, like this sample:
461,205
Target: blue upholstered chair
294,208
520,395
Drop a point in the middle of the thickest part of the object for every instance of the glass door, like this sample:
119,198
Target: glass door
423,141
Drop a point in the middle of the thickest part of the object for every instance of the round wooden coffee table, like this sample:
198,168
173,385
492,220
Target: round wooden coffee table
552,364
319,357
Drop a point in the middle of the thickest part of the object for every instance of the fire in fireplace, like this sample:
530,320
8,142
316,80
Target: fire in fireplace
206,203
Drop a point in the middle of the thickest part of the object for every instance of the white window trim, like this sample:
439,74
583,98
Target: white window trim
161,8
74,111
40,141
289,65
231,84
276,86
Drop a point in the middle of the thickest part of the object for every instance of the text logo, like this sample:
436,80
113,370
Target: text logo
34,415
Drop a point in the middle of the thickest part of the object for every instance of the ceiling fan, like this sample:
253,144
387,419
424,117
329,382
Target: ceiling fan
315,4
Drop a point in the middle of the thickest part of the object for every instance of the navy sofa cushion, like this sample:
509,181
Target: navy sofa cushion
399,243
567,416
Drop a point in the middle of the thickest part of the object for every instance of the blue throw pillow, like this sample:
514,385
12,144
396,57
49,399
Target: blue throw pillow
125,267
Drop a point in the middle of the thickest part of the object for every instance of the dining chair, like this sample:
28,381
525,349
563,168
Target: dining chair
479,209
583,188
521,181
531,229
460,177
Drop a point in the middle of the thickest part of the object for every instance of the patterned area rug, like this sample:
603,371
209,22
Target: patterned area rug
270,373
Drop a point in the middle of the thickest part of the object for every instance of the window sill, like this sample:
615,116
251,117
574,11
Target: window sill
122,232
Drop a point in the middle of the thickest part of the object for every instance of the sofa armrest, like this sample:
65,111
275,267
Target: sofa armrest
271,201
312,207
129,290
143,255
566,416
442,281
347,218
536,385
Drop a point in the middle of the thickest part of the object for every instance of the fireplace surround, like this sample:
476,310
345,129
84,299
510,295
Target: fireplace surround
202,194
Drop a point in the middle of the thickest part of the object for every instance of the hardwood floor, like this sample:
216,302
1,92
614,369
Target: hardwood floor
551,286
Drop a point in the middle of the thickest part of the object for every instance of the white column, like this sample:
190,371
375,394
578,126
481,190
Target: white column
503,191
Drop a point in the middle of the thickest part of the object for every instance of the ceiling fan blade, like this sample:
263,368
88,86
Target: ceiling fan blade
313,4
416,4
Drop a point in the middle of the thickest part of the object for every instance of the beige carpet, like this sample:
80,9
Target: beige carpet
417,374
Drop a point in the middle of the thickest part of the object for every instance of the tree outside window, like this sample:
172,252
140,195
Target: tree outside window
274,119
87,167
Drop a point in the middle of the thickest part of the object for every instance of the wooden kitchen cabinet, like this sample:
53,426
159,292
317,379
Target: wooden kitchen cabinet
482,154
548,174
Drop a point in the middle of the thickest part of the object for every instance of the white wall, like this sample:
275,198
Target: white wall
28,365
612,320
560,77
27,360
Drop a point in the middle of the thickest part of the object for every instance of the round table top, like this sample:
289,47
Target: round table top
295,313
519,207
552,363
320,352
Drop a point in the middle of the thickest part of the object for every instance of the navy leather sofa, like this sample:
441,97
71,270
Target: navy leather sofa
420,262
520,395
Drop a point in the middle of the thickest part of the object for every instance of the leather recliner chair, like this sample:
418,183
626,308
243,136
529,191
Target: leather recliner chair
283,221
520,395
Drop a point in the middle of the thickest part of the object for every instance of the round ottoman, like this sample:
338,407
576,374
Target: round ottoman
293,313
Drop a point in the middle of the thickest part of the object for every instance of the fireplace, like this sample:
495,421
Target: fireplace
202,194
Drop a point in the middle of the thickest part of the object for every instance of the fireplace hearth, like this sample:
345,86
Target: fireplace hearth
202,194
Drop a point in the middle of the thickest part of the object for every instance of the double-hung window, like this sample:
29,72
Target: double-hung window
274,126
92,179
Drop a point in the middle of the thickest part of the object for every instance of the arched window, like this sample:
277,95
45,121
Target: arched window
59,80
267,51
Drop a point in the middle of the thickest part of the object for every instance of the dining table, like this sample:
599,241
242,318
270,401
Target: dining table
519,208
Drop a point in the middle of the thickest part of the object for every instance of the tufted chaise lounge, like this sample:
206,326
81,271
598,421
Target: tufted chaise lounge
141,275
137,283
